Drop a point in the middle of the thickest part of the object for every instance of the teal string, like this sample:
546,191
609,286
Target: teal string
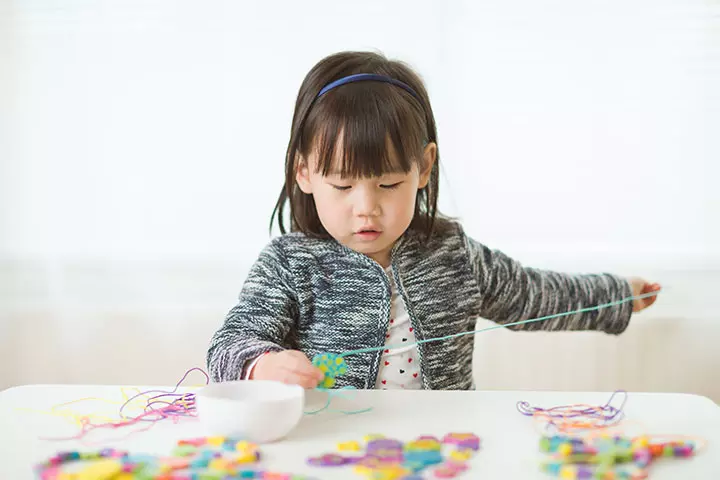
335,393
505,325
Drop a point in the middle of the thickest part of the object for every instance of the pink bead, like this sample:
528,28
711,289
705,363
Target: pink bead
275,476
51,473
195,442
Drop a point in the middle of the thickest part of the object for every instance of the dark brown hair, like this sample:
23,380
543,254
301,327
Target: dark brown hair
368,118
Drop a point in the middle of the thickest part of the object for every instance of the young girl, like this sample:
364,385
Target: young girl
370,262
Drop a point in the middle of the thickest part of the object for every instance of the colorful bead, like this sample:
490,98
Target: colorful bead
184,450
215,441
329,460
465,439
422,445
243,446
349,447
449,469
50,473
384,444
460,455
275,476
101,469
195,442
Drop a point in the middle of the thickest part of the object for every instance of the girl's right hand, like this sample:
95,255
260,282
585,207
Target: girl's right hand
287,366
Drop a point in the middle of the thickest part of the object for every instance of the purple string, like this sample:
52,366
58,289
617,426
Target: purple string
608,413
182,406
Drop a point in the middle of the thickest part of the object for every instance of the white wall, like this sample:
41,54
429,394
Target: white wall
141,149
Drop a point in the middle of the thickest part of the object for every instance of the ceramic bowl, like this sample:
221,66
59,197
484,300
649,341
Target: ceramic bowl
254,410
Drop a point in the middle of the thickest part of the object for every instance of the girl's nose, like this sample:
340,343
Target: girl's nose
365,203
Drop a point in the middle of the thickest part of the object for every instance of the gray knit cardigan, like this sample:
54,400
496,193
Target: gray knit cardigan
316,295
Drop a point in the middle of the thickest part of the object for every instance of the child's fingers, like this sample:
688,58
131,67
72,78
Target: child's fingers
303,366
298,378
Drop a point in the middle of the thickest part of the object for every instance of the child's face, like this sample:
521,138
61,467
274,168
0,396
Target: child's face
366,214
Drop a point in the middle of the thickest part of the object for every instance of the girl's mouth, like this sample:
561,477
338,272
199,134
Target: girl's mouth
368,234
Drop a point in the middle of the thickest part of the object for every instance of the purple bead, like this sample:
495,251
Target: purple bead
384,444
471,444
329,460
682,451
584,472
107,452
642,457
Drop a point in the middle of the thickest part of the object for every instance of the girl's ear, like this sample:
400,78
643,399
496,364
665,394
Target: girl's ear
429,157
302,175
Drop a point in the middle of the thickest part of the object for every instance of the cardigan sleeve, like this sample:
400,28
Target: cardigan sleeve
511,292
260,322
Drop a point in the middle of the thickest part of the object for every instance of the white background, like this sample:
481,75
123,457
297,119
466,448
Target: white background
142,145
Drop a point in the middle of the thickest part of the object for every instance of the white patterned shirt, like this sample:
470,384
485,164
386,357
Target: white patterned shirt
400,365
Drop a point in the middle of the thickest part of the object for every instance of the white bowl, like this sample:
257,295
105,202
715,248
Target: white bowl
258,411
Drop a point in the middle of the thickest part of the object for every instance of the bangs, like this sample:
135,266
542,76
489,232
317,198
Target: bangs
365,130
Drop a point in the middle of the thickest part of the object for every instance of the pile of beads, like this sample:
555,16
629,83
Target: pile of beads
606,456
390,459
206,458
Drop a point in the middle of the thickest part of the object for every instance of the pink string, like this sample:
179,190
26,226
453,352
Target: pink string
183,405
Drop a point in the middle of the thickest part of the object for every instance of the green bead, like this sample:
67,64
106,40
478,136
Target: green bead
544,444
184,451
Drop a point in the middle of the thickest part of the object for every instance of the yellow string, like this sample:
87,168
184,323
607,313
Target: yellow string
94,417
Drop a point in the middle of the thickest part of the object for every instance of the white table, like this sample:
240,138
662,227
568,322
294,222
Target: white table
509,439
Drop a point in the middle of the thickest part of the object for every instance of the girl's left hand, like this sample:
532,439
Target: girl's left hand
641,287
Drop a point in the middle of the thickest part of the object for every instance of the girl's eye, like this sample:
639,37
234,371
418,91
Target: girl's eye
390,187
341,187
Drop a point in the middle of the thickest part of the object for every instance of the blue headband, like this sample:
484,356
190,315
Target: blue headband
359,77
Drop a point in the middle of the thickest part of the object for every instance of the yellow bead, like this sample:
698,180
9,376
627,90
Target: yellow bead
425,444
215,441
641,442
568,472
219,464
461,455
245,447
391,472
339,361
362,470
349,447
246,457
565,449
328,382
124,476
101,469
372,436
